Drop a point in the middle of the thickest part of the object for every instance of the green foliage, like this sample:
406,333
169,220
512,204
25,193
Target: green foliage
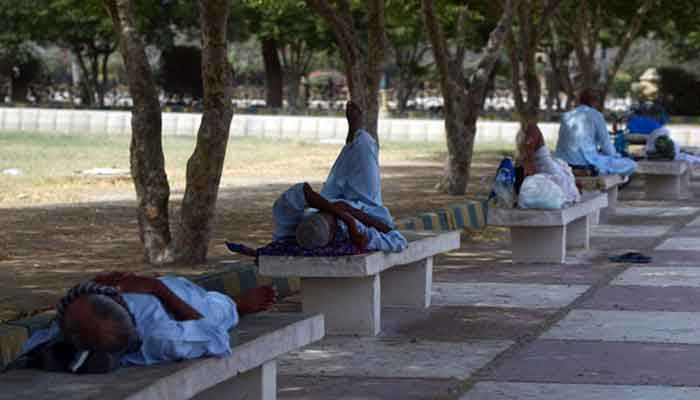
622,82
679,91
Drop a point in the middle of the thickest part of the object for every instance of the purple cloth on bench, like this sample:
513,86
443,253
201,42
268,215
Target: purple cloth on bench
291,248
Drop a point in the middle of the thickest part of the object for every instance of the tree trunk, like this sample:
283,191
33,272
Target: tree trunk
363,73
462,107
147,160
273,73
206,163
20,90
293,83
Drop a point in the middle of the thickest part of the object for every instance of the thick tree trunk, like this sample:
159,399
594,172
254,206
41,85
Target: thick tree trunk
206,163
273,73
462,108
147,160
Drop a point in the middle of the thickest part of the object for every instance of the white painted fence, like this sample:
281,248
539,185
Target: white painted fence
60,121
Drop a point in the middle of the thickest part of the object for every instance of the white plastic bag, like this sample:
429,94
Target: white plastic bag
540,191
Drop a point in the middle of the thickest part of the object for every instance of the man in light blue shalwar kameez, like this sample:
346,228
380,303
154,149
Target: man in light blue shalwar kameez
171,319
350,204
584,140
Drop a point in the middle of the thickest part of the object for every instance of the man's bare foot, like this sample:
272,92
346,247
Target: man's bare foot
354,115
256,300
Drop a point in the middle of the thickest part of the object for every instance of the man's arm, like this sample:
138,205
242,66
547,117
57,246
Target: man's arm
130,283
363,217
315,200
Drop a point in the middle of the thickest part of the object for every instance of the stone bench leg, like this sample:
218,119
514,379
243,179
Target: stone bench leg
663,187
538,244
257,384
578,233
609,211
350,306
686,187
408,285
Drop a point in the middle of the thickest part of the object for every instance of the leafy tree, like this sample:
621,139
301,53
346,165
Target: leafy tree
533,18
22,67
82,26
463,95
363,55
190,244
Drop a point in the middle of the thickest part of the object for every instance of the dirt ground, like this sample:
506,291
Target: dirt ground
46,249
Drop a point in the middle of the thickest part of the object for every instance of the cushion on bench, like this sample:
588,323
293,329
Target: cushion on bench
468,215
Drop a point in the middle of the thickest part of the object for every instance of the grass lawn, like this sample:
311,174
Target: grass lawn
50,164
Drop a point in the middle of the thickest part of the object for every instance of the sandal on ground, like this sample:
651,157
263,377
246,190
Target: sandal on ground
631,257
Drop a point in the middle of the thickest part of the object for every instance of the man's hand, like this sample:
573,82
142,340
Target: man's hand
359,239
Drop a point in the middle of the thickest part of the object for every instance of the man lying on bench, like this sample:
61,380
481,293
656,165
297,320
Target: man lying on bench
348,209
123,319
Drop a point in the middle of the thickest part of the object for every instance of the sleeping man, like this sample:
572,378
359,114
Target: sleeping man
349,208
123,319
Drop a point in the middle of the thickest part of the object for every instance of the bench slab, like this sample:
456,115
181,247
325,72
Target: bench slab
256,342
350,291
421,245
516,217
666,180
605,183
543,236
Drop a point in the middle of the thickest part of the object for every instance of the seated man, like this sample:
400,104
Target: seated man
124,319
535,158
584,140
349,207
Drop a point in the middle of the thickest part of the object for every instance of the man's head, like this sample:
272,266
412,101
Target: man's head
316,230
589,97
93,317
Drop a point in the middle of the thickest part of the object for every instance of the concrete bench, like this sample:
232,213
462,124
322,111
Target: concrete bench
249,373
665,180
608,184
543,236
350,291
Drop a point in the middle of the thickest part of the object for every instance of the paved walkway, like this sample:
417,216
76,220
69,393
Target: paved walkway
589,329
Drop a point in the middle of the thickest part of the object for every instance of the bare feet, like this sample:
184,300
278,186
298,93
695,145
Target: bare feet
256,300
354,115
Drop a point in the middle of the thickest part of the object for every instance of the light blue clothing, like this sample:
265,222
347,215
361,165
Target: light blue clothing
355,180
584,140
165,339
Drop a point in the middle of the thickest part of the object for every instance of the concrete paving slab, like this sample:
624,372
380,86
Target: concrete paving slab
509,295
644,298
628,326
680,244
455,324
344,388
586,362
553,391
674,258
624,231
656,212
695,222
524,273
659,276
391,358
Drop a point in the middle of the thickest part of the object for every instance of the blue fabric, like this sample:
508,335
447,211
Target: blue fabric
355,180
165,339
584,140
642,124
